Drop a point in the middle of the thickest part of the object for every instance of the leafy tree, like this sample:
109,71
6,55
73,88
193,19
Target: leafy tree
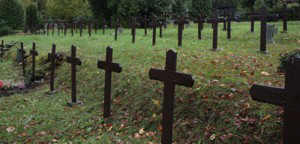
12,12
67,9
201,8
32,20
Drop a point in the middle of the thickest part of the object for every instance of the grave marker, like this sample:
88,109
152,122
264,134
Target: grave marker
33,54
103,26
80,27
116,29
133,29
287,97
154,31
72,28
23,58
200,22
52,57
90,29
74,61
65,28
145,25
215,22
109,67
170,78
181,21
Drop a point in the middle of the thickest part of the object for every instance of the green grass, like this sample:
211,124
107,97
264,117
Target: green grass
218,109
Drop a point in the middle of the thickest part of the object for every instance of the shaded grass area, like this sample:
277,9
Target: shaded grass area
218,109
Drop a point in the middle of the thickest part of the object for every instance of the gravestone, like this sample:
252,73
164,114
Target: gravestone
288,98
74,61
109,67
170,78
271,31
33,54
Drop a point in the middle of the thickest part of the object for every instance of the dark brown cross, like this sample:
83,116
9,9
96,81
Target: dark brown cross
133,29
95,26
48,27
33,54
52,57
65,28
23,58
145,25
90,29
80,26
170,78
161,28
229,19
109,67
74,61
72,28
224,25
1,49
264,18
288,98
58,28
103,25
181,21
116,29
53,28
154,31
215,22
200,22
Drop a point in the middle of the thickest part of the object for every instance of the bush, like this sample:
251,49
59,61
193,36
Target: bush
12,12
4,28
32,20
286,58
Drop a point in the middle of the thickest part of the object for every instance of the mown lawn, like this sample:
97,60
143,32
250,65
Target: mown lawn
218,109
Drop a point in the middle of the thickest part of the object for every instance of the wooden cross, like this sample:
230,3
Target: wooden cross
1,48
109,67
117,28
170,78
74,61
80,26
215,22
154,31
288,98
181,21
161,27
52,57
229,19
53,28
33,54
103,25
133,29
145,25
23,58
48,27
65,28
264,18
72,28
90,29
200,22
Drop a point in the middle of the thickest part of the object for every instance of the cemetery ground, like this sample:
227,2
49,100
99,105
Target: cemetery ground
218,109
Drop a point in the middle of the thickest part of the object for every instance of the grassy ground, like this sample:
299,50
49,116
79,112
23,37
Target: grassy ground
218,109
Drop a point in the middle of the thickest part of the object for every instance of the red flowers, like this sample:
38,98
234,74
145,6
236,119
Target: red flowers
1,84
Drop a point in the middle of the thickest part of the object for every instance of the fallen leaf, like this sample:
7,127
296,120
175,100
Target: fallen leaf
212,137
10,129
265,73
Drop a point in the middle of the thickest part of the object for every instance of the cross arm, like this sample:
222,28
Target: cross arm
175,77
114,66
213,20
269,95
73,60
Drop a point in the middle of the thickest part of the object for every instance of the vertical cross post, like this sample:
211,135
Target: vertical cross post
80,26
74,61
252,25
200,27
263,35
116,29
90,29
133,29
153,31
1,48
23,58
58,28
287,97
103,26
228,27
48,27
109,67
33,53
53,28
72,28
95,26
180,30
145,25
215,22
65,28
161,28
52,57
170,78
224,25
